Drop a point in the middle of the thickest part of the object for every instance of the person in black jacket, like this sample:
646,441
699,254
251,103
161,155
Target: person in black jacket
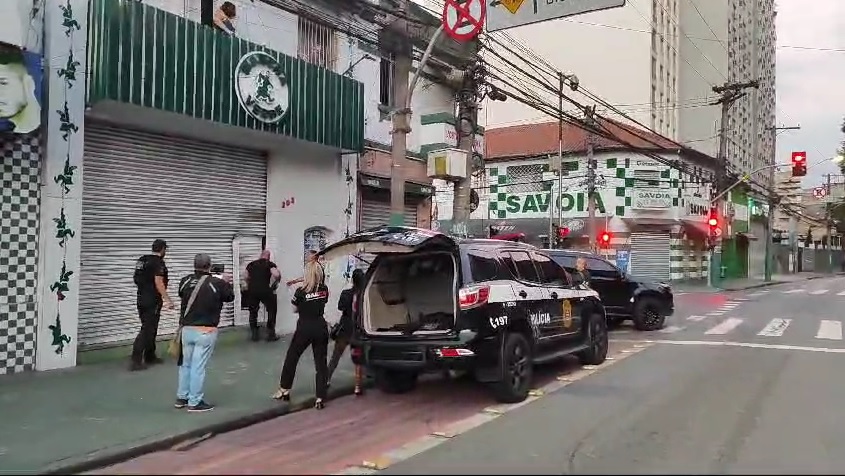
309,301
581,274
151,279
202,297
262,278
347,305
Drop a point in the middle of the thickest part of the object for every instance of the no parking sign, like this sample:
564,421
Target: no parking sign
463,20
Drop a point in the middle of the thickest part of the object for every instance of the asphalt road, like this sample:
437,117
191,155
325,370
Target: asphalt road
699,401
801,314
738,382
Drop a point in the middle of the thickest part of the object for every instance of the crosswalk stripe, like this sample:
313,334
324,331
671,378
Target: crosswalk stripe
696,318
775,328
831,330
793,291
715,313
841,294
671,329
725,326
818,292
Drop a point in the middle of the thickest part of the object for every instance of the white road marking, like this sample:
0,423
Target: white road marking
743,299
818,292
831,330
709,343
756,294
716,313
696,318
775,328
841,294
725,326
793,291
671,329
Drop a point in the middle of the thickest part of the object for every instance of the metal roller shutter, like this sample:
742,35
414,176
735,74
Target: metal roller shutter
138,187
650,256
375,208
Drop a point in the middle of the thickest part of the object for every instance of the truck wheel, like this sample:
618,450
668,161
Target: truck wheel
516,370
396,381
596,353
647,315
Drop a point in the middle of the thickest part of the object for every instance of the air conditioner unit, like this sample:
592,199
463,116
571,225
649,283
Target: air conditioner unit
447,164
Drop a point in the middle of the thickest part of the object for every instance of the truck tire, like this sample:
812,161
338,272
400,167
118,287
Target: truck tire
596,353
647,315
396,381
516,370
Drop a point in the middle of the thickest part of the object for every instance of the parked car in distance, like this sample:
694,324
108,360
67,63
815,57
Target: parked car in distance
625,297
491,308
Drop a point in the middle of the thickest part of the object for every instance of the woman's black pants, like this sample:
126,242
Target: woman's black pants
314,333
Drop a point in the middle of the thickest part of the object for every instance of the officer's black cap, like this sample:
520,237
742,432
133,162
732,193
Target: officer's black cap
159,246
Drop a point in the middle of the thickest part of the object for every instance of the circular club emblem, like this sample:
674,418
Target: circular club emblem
262,87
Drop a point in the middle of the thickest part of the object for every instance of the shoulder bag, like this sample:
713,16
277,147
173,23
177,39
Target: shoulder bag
175,347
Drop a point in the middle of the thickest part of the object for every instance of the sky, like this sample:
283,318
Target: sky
810,85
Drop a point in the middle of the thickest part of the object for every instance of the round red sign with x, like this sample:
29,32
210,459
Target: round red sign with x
464,19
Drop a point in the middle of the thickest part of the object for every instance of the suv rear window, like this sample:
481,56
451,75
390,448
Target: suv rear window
525,266
565,261
483,267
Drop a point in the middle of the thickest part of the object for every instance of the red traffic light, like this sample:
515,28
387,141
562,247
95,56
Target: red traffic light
563,232
713,221
799,157
604,237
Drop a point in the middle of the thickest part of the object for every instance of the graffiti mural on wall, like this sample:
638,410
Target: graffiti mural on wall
20,90
66,179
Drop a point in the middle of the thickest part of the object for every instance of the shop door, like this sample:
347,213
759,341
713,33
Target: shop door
139,186
650,256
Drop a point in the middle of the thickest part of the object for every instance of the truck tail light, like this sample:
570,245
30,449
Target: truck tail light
473,296
452,352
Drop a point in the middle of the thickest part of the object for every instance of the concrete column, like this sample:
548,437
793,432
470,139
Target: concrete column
65,25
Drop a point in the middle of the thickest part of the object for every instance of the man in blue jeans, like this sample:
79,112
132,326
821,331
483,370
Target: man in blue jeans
202,298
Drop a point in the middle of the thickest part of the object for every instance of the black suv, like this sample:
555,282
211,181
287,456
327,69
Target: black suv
489,307
624,297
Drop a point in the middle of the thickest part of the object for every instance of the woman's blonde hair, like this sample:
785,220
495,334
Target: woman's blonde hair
580,264
313,277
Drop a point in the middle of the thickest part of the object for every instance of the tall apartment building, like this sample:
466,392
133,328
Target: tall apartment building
658,61
751,55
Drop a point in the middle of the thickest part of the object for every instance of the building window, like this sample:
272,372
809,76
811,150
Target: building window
317,44
525,178
387,71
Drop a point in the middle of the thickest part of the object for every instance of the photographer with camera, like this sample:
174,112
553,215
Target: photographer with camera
203,296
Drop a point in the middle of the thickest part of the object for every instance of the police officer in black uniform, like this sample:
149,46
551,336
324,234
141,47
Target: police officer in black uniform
309,301
151,279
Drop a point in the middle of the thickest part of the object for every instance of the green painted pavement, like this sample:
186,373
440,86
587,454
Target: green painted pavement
56,421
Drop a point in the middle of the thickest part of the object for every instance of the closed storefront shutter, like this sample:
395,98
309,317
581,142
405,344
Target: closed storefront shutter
139,187
650,256
375,208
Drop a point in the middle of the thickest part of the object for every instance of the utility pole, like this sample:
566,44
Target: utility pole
774,201
827,219
589,115
401,114
556,202
465,127
729,94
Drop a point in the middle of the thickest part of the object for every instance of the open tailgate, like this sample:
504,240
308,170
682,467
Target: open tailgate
387,239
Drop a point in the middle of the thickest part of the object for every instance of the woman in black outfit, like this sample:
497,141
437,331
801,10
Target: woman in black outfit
347,305
309,301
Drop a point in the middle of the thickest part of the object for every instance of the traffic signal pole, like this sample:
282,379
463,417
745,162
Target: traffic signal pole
774,201
401,115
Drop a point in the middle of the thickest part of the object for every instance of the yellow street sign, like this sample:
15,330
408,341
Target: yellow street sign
512,5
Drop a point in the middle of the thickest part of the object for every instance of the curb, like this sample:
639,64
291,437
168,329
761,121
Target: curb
190,438
773,283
